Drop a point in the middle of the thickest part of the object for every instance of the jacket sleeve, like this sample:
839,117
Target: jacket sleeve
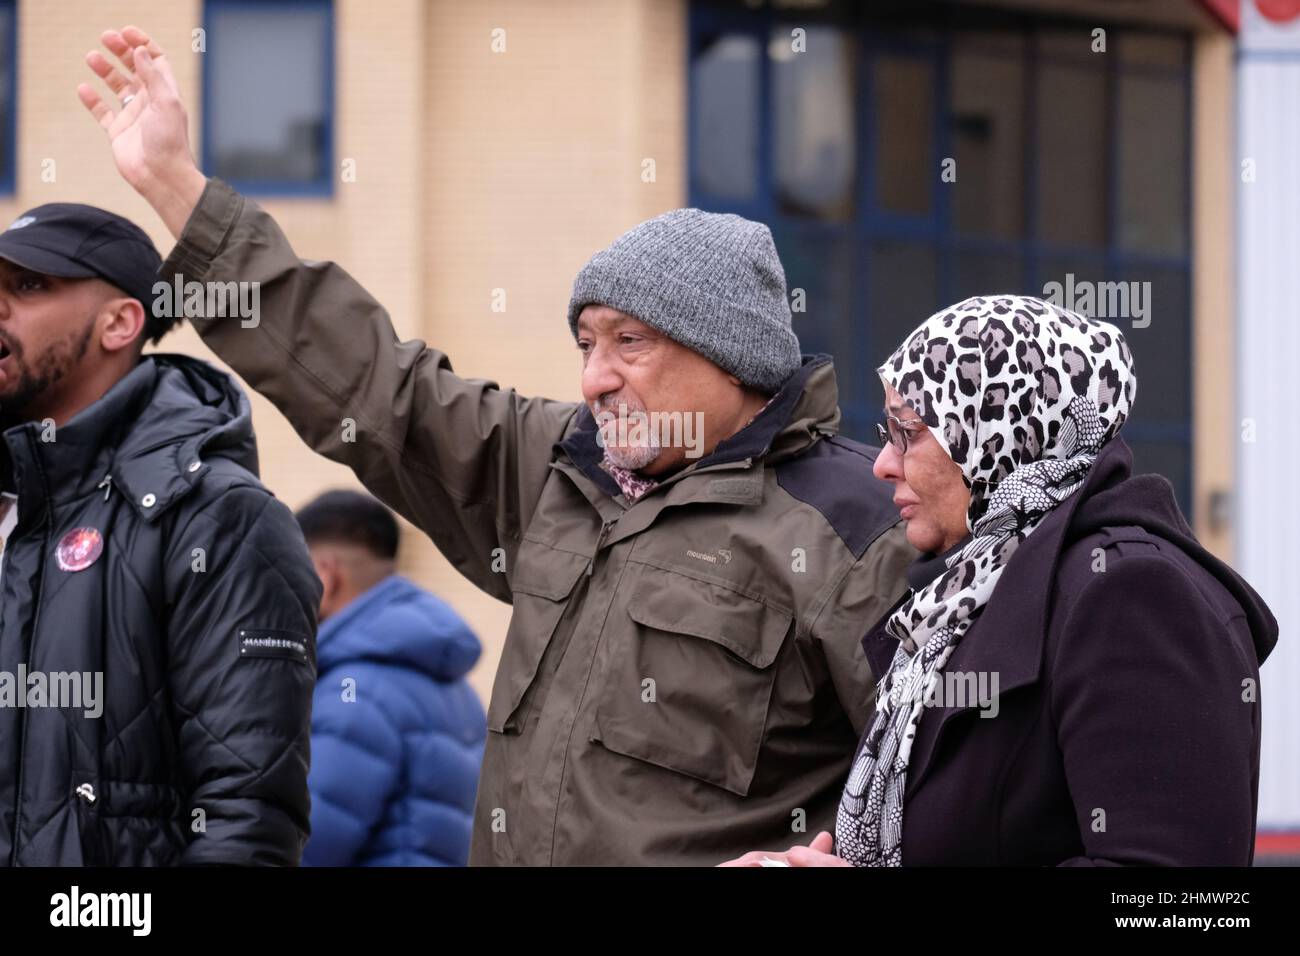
356,765
1159,744
241,657
461,459
874,584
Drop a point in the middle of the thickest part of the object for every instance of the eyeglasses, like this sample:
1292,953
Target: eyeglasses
896,432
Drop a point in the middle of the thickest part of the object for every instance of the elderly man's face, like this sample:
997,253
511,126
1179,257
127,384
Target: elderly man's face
627,364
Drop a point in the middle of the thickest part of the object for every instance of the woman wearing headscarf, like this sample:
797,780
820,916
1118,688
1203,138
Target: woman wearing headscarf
1071,679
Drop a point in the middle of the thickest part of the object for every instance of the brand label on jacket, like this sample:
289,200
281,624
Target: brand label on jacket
259,642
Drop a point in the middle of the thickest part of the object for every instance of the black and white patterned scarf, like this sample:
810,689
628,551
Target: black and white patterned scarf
1021,394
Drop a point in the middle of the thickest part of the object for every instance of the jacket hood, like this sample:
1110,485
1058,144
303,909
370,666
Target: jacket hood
1121,499
396,622
807,408
196,405
149,436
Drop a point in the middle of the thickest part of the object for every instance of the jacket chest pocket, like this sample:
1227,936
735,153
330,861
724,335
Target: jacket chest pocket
543,579
688,678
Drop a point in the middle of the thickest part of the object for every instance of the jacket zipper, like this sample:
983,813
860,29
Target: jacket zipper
600,540
88,825
39,596
107,485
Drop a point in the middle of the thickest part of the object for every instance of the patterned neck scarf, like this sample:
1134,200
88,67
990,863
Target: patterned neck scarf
633,485
1021,394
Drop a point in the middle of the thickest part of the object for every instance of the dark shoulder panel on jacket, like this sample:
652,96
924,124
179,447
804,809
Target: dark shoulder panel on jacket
834,476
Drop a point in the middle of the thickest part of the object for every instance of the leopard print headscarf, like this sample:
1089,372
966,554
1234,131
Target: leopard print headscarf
1021,394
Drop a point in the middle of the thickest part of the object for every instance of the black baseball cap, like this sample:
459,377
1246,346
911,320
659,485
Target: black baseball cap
75,241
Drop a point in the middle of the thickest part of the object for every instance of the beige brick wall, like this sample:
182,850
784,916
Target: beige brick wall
475,170
1214,316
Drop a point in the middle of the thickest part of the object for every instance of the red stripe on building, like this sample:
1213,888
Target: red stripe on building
1227,12
1285,843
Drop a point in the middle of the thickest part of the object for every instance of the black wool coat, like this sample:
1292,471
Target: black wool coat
1126,724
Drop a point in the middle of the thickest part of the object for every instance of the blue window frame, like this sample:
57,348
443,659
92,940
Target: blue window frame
8,96
268,95
1068,162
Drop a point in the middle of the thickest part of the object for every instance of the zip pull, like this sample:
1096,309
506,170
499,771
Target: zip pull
86,792
107,485
604,530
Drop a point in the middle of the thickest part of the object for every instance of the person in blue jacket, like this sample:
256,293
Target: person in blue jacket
397,731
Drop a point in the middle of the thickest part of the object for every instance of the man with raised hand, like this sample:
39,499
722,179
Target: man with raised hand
692,552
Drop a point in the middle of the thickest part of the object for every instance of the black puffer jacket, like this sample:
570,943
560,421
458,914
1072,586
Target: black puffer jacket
200,614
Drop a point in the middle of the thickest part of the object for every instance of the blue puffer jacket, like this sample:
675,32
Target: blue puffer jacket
394,769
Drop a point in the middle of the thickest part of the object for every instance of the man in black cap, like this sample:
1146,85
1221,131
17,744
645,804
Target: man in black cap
157,603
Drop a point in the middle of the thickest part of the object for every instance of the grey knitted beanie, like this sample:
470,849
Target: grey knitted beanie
711,281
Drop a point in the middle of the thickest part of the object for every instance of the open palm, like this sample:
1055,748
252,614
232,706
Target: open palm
149,132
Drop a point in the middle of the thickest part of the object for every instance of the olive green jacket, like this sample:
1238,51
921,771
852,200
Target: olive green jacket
682,679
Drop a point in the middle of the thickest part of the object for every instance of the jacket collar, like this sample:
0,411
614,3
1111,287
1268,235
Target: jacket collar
805,408
141,438
77,458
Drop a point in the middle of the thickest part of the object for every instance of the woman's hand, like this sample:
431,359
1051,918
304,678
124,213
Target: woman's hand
149,132
817,853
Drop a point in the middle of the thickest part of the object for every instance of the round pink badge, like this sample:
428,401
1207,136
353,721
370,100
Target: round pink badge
79,549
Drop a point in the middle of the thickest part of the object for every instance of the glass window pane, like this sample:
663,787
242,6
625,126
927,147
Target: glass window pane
1162,350
814,129
1075,284
1072,44
266,96
905,29
6,94
1071,120
988,119
982,273
725,142
1153,155
994,42
1153,49
1075,279
1151,308
904,134
1171,459
820,278
904,278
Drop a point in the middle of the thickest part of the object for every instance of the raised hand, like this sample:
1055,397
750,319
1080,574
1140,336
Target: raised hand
148,131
